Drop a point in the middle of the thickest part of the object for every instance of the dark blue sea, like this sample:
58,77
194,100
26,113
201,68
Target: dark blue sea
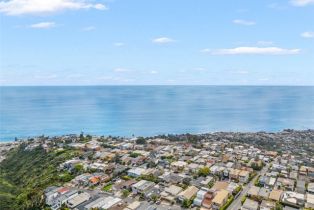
151,110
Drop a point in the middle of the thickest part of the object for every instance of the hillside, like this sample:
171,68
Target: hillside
25,174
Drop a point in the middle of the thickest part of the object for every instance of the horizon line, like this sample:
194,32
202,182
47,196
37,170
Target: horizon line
142,85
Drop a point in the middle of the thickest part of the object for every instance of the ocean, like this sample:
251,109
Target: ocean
152,110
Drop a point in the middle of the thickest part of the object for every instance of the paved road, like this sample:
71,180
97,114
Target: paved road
236,204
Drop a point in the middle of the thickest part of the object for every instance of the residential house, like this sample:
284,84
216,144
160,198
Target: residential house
188,193
79,199
220,199
169,194
250,205
293,198
244,176
220,185
208,199
285,183
200,197
136,172
178,166
309,201
104,202
267,205
234,174
310,187
253,191
275,195
142,186
124,185
264,193
300,188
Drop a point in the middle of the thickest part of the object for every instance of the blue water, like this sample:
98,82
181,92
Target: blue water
151,110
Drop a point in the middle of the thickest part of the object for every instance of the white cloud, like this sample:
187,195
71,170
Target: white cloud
308,34
265,43
254,51
43,25
154,72
43,7
206,50
244,22
118,44
302,3
277,6
89,28
163,40
121,70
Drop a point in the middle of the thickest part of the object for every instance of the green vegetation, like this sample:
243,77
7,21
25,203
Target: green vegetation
125,193
256,166
84,139
257,183
140,140
187,203
229,201
78,168
252,175
154,198
107,188
278,206
126,177
243,199
204,171
210,184
25,174
237,190
134,155
150,177
169,158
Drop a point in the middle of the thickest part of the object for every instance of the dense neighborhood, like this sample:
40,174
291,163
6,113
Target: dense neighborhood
179,172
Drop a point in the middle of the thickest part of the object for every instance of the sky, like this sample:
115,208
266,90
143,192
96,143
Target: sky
156,42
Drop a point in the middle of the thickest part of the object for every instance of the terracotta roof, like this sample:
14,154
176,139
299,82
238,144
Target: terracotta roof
63,190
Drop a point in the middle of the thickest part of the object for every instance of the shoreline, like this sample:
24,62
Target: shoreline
25,139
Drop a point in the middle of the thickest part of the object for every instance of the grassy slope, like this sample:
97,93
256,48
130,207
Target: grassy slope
25,174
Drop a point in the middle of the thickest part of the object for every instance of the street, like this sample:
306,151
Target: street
236,204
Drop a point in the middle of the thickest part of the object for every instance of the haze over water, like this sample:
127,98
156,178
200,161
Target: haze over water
151,110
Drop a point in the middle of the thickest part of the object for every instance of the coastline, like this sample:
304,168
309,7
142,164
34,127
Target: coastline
156,136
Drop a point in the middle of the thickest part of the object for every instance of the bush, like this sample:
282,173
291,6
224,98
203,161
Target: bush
134,155
237,190
224,207
186,203
107,188
243,200
204,171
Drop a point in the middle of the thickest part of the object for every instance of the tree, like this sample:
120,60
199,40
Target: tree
81,136
204,171
155,197
186,203
256,166
125,193
134,155
140,140
278,206
78,167
117,158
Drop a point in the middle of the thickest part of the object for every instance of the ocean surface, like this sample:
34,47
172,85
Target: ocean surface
151,110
